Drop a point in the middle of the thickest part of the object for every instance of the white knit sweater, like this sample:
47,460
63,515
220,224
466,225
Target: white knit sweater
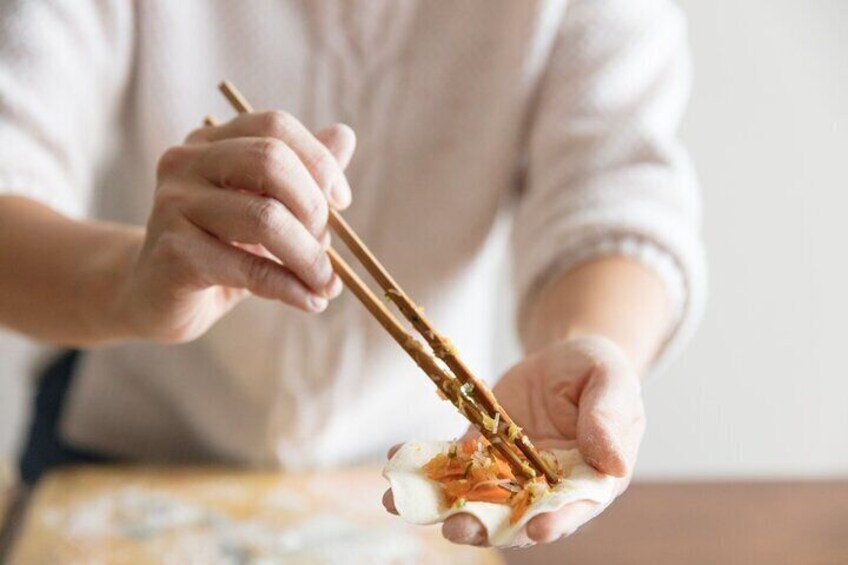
568,109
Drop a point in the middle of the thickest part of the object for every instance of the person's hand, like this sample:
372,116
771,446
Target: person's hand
582,393
239,208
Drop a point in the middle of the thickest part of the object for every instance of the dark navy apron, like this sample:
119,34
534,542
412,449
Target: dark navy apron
44,449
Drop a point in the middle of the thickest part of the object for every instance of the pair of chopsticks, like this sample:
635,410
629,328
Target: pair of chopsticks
470,395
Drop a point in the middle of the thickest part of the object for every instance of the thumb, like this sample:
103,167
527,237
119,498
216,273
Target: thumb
611,417
340,140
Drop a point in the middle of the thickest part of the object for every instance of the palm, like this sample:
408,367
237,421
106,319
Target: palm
583,394
523,392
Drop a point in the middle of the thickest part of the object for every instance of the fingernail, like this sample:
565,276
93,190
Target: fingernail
326,240
479,539
325,273
335,287
393,449
340,193
317,303
389,502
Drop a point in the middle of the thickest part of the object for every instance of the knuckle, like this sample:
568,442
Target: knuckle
273,156
258,272
277,123
168,198
173,160
270,216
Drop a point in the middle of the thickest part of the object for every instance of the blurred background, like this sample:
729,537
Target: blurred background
763,389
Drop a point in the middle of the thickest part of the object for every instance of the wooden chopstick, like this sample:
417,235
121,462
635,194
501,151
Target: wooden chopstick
440,345
504,429
439,376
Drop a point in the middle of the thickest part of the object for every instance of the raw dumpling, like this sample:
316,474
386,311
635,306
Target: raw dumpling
420,500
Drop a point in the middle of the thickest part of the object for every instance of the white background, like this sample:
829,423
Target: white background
763,389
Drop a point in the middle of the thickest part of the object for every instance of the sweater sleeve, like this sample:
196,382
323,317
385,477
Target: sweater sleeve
63,68
606,173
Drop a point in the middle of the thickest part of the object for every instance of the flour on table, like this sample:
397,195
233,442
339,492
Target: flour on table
175,531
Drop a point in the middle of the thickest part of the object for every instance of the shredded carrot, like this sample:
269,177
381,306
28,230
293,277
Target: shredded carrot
471,471
444,467
488,494
519,507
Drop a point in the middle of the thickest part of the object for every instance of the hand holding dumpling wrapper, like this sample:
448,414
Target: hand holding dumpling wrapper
432,481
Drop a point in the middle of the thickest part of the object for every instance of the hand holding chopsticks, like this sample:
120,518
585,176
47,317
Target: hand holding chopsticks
456,382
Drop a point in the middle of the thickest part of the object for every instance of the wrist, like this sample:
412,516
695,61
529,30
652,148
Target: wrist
615,298
631,353
104,286
639,351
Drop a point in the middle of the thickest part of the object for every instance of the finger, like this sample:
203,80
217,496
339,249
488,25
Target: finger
268,167
251,219
340,140
464,529
332,291
611,420
318,160
256,249
551,526
335,288
393,449
212,262
389,502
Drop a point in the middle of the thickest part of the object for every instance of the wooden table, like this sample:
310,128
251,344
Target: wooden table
756,523
7,496
116,515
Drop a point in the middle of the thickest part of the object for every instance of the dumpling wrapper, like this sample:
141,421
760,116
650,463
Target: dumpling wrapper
419,500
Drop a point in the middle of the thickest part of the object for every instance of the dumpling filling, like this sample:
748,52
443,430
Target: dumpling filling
472,471
432,481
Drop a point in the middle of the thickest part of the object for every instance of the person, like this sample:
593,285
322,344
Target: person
183,276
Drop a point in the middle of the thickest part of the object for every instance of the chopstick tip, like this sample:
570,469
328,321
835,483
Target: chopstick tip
236,99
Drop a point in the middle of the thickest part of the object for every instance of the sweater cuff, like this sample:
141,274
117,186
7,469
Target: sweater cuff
677,261
648,254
